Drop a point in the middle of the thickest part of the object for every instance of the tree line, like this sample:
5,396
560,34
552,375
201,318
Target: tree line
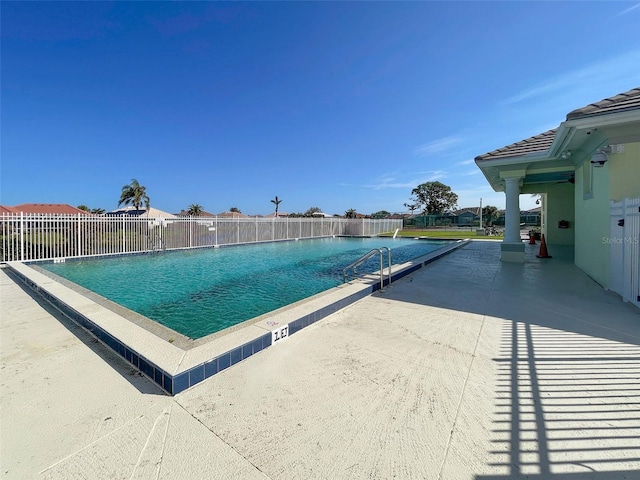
135,194
431,198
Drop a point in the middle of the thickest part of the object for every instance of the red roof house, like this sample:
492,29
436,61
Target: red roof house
44,208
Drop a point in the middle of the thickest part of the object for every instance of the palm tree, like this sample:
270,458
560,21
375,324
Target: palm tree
277,202
195,210
489,213
412,207
351,213
95,211
235,210
134,194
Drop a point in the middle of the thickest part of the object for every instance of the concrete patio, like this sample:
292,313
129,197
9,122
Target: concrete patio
468,368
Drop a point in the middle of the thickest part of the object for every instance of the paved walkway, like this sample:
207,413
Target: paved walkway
466,369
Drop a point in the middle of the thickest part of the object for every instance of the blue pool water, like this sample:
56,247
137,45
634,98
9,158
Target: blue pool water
199,292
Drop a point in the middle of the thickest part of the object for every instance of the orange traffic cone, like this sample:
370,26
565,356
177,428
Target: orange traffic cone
532,239
543,249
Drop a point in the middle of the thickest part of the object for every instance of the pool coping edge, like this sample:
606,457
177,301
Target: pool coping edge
174,369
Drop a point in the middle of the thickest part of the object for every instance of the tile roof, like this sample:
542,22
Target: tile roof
619,103
203,214
232,215
463,210
5,209
536,144
541,143
45,208
150,212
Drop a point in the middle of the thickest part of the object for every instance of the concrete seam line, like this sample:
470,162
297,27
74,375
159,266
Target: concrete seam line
464,389
146,443
164,441
223,441
92,443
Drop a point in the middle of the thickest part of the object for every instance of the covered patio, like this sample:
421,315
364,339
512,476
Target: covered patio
590,160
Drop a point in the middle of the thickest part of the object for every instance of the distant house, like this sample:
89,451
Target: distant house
466,216
43,208
131,211
203,214
530,217
232,215
321,214
6,210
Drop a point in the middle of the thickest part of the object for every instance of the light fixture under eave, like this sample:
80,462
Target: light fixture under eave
566,154
599,158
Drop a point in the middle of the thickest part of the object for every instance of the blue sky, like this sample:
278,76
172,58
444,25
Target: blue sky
324,104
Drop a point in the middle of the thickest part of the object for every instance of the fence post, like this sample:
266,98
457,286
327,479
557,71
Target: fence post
78,253
21,236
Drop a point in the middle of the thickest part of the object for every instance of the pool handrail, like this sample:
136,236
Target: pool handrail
156,243
366,257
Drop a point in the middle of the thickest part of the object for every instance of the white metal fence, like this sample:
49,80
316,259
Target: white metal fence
41,237
624,241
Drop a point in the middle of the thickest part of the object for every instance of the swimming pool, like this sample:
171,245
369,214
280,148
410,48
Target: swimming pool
200,292
175,362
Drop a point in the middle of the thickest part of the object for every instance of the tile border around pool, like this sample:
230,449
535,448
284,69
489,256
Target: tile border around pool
175,370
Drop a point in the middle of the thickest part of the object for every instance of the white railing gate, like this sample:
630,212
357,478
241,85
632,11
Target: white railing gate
624,242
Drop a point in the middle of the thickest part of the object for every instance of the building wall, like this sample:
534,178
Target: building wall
558,204
592,221
624,169
561,206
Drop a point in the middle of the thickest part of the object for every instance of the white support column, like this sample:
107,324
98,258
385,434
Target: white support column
512,247
512,215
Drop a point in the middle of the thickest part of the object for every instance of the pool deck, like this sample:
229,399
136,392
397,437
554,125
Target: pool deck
468,368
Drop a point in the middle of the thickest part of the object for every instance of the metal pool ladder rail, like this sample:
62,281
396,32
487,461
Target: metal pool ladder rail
366,257
155,244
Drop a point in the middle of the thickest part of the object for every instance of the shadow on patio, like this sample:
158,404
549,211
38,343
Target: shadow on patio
566,368
566,406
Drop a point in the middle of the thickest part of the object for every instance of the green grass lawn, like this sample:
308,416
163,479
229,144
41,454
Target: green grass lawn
443,234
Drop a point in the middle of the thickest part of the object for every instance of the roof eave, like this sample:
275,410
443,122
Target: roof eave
520,160
604,119
492,168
